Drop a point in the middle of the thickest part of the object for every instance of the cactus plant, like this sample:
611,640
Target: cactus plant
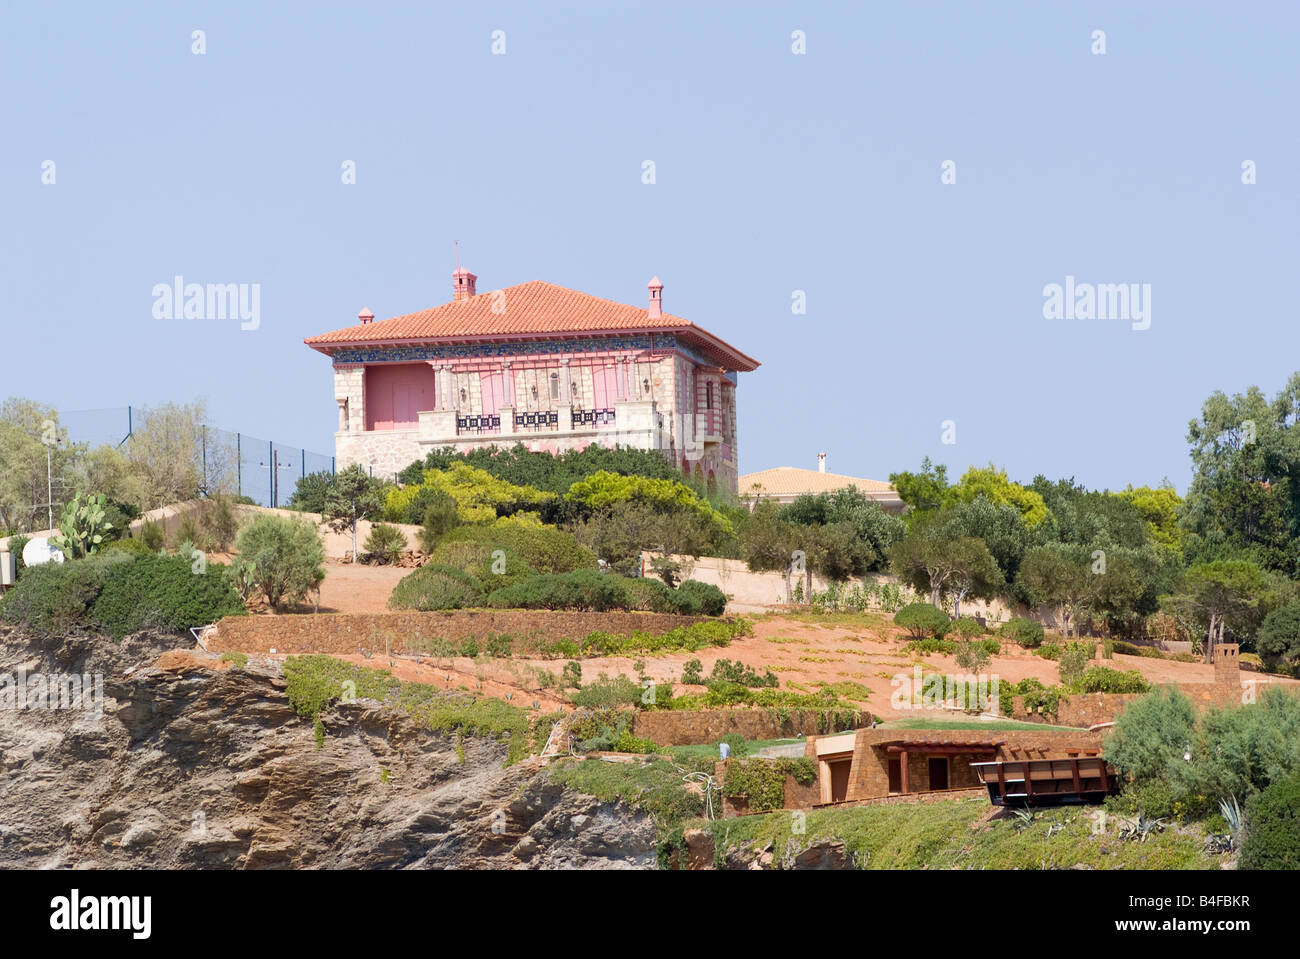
84,527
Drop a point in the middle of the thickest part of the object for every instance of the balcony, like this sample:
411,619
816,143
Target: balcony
634,423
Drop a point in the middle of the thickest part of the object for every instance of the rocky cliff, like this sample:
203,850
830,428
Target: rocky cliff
194,762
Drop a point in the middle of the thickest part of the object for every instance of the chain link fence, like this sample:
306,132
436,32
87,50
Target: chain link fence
264,470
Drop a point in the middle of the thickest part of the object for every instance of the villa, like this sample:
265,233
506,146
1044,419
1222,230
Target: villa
538,364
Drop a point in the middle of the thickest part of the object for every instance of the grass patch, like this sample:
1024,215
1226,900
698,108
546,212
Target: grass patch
316,681
939,836
657,787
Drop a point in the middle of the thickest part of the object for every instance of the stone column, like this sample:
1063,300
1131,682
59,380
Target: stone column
564,404
437,385
343,415
620,377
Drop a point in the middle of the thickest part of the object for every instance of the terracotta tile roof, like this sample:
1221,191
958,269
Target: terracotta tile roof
792,481
528,309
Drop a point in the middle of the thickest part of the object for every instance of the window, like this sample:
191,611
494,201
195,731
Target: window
708,396
555,386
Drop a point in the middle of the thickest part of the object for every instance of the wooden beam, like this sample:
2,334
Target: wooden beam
902,772
1074,770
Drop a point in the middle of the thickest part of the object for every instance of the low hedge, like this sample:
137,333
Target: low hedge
436,586
589,589
580,589
121,592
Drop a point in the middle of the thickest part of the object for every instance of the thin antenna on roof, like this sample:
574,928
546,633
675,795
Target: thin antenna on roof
457,242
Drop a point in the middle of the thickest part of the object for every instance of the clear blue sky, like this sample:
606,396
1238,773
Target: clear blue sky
775,173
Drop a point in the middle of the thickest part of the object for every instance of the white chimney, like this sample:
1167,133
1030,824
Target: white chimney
821,462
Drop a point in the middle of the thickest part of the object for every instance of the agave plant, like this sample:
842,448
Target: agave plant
1230,809
1140,828
83,526
1024,819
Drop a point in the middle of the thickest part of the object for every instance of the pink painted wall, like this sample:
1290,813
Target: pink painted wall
493,388
604,386
396,393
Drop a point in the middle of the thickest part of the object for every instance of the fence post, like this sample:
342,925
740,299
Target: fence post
205,459
239,466
270,466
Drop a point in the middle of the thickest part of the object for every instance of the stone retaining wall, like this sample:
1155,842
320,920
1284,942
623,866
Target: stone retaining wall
687,727
404,632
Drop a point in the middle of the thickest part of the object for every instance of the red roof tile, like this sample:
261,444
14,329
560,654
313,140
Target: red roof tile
529,309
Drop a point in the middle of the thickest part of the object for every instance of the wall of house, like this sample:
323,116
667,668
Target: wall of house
869,773
378,402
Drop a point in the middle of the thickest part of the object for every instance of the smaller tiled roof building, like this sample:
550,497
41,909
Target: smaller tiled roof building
785,483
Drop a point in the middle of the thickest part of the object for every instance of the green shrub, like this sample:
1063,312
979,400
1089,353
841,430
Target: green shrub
606,728
280,557
17,543
582,589
693,673
436,586
493,568
544,548
922,620
571,675
924,647
437,514
1278,637
385,543
1103,679
219,522
129,545
605,691
152,535
967,628
650,595
168,593
51,599
726,671
1273,827
1074,660
696,598
1022,631
187,531
971,656
1050,651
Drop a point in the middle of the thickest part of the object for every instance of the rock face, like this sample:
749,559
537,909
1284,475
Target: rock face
194,764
